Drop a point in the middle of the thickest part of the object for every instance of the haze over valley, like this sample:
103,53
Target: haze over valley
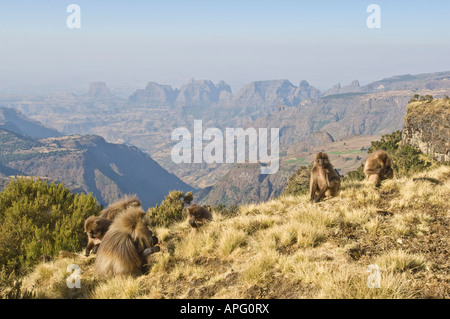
309,120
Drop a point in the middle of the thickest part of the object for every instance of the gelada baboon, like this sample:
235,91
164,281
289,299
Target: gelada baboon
378,167
118,207
324,180
95,228
198,215
126,245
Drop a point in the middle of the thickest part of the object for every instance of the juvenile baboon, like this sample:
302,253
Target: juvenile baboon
378,167
95,228
126,245
113,210
198,215
324,179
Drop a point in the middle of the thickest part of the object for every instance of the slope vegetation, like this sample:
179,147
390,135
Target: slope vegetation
290,248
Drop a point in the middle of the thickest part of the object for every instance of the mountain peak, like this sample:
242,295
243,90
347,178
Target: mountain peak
98,89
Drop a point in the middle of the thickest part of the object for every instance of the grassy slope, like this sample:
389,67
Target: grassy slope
289,248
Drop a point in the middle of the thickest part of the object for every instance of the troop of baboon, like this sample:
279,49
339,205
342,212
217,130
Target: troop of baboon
325,181
122,240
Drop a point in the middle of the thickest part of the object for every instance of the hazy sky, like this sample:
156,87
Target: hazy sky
129,43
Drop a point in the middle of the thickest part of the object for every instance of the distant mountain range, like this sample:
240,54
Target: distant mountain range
84,163
306,117
204,93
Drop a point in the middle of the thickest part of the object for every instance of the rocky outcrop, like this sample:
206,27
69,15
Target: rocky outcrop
270,94
204,93
264,93
98,90
333,90
154,95
427,127
415,83
200,93
354,87
305,91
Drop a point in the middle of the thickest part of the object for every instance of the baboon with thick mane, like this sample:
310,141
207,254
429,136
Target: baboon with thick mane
126,245
324,179
96,228
113,210
198,215
378,167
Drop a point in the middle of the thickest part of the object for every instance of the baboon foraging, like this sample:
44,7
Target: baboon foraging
198,215
113,210
378,167
126,245
324,179
95,228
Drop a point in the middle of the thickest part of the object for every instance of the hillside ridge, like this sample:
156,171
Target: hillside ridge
290,248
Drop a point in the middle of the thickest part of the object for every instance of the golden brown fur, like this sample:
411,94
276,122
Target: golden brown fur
126,245
324,179
95,228
113,210
378,167
198,215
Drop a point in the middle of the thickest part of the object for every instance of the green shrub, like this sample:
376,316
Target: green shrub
38,218
171,209
429,98
357,175
298,183
414,98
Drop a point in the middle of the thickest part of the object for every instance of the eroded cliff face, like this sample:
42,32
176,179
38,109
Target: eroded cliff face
427,127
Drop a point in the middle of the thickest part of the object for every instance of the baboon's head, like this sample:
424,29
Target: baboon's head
321,159
94,227
194,214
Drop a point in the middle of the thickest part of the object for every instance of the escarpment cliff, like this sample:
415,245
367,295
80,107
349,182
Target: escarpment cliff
427,127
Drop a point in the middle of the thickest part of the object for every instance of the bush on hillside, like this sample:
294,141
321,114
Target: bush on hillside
298,183
38,218
171,209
